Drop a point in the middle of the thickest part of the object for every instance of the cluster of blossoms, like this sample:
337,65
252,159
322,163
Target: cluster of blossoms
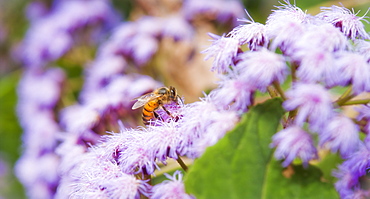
321,52
79,159
67,152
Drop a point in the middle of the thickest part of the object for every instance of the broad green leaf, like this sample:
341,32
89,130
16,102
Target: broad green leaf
299,182
241,165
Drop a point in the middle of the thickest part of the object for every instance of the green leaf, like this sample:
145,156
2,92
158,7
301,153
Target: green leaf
241,165
301,183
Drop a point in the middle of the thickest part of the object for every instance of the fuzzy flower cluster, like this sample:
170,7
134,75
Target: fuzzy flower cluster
319,53
81,160
67,152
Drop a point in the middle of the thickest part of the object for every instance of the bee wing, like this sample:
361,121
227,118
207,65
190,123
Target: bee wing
141,101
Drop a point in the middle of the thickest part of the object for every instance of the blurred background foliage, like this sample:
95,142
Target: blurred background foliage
13,26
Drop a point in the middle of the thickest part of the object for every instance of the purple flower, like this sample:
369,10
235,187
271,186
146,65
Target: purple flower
140,48
100,72
38,173
203,124
222,11
285,25
252,33
350,172
350,68
345,20
41,88
314,103
172,188
323,36
234,93
78,119
177,28
36,10
70,150
50,36
137,156
262,68
293,142
340,134
224,50
167,140
363,47
364,115
313,64
97,177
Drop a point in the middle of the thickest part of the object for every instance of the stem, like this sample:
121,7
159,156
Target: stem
356,102
279,90
345,94
344,99
182,164
272,92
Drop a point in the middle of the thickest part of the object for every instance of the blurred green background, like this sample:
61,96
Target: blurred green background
13,26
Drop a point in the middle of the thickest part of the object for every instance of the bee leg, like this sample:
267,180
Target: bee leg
168,113
156,115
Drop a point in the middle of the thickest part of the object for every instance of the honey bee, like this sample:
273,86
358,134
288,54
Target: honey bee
155,100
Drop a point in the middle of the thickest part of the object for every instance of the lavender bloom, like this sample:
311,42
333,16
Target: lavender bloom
100,72
78,119
350,172
38,93
364,115
345,20
36,10
222,11
262,68
50,37
285,25
350,68
322,36
252,33
233,93
314,103
46,84
99,177
167,140
141,48
293,142
340,134
314,65
224,50
363,47
177,28
203,124
172,188
38,173
136,156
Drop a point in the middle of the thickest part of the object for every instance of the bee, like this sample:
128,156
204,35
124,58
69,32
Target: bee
155,100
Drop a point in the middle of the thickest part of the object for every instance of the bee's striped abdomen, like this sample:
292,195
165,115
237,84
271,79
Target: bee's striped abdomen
148,111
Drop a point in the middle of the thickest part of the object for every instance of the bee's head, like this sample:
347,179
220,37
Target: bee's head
173,92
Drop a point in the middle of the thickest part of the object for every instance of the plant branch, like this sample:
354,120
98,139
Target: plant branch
279,90
355,102
182,164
